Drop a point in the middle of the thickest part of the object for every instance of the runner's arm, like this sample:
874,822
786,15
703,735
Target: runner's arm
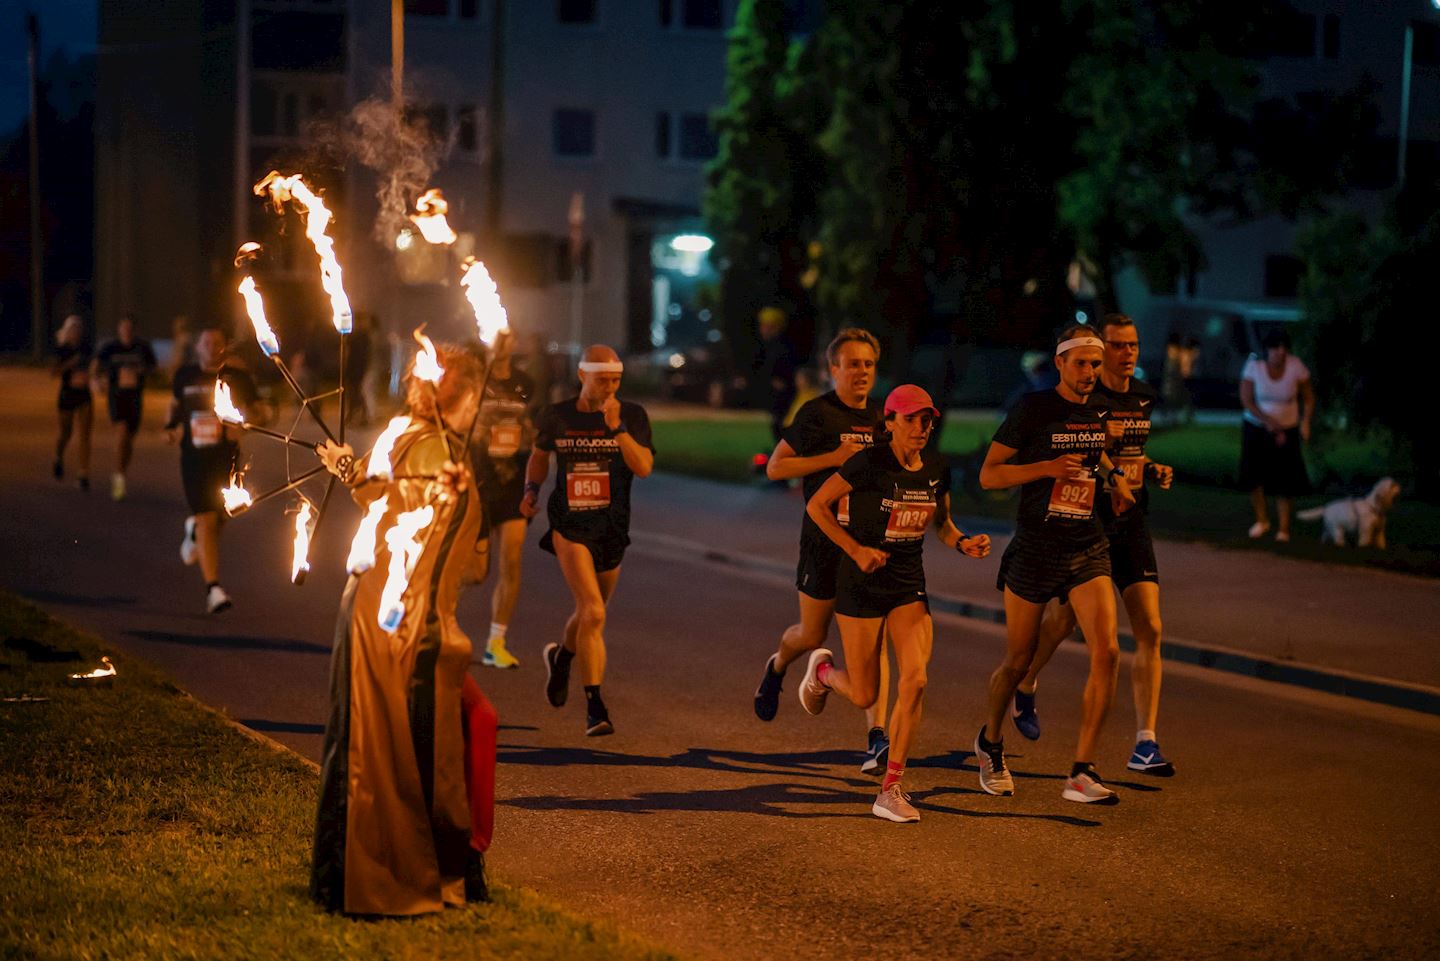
785,464
537,468
977,545
821,509
639,458
997,473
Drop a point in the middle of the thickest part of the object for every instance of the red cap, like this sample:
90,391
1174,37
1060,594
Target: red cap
908,399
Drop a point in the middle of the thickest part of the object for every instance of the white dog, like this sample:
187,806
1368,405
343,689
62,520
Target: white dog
1360,517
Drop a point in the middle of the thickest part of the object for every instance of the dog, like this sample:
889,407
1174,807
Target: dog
1362,518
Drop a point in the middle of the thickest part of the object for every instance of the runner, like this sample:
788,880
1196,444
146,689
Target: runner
499,456
1052,446
208,452
601,443
72,363
825,433
123,364
896,490
1128,403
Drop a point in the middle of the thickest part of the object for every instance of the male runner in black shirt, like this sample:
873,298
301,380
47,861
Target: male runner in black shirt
826,432
1052,446
1129,404
208,451
600,444
123,364
501,452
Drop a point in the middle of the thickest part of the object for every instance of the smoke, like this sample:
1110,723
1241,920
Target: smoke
403,154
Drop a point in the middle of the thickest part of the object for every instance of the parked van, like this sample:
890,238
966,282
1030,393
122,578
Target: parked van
1221,333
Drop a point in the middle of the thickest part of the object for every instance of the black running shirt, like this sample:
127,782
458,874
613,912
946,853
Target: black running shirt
1132,408
73,365
819,427
125,368
195,390
1042,427
891,508
506,430
591,500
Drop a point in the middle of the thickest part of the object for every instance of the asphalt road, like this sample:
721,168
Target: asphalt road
1300,825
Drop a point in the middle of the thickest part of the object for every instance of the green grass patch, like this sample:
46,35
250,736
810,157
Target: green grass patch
138,824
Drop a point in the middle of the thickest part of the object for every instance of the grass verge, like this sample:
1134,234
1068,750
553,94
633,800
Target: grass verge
138,824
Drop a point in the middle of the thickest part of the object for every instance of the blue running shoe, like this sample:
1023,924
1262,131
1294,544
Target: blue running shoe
877,753
1024,716
1147,759
767,695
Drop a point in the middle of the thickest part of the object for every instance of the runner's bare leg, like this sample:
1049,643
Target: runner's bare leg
802,638
1094,604
585,631
859,679
1142,603
1022,631
912,634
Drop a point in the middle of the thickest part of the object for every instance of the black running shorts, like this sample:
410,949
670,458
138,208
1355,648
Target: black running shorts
819,565
502,500
73,398
1037,568
125,409
854,598
1132,552
204,473
606,554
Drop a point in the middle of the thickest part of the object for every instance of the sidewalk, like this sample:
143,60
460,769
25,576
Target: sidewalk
1341,619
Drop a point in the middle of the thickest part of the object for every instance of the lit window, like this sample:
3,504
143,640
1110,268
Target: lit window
573,133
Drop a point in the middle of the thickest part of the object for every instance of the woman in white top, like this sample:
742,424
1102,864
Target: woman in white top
1279,403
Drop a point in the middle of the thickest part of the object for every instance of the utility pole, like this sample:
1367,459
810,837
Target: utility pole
1407,64
39,327
397,55
495,169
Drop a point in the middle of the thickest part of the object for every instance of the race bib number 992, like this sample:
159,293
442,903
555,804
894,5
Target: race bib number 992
1073,496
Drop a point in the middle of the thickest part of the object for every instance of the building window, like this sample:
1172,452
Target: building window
1282,275
576,11
1426,49
697,140
694,14
1292,34
1330,37
467,131
427,8
468,9
573,133
664,148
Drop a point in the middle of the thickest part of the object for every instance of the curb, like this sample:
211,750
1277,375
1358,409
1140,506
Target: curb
1363,687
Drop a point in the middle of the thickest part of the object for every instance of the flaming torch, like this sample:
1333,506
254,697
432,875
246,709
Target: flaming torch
300,565
404,552
490,322
429,216
317,218
427,368
379,465
226,410
362,548
237,498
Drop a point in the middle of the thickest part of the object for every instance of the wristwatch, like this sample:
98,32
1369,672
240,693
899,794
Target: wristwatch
621,429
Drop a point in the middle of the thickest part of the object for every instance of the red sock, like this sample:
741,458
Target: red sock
822,673
894,771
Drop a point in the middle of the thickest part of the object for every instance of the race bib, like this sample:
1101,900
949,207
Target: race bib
908,520
842,511
205,428
504,439
587,486
126,378
1073,496
77,379
1134,470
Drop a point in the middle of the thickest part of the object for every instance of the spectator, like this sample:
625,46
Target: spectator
1279,402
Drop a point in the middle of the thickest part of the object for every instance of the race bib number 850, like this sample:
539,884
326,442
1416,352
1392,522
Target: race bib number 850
587,486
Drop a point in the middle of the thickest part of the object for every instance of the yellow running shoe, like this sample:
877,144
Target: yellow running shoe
497,656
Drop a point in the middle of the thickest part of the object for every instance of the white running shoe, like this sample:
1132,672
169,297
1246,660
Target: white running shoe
893,804
1258,530
189,553
1087,788
117,487
1282,537
994,776
812,692
216,600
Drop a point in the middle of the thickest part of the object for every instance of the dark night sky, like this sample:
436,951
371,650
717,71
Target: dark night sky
70,24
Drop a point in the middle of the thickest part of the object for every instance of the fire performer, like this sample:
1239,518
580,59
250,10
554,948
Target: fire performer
404,812
601,444
208,453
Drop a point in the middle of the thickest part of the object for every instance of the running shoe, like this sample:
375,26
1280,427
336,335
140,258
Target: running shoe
497,656
598,725
1258,530
117,487
767,695
994,776
84,484
877,753
1282,537
57,469
1147,759
893,804
216,600
812,692
557,676
189,553
1087,788
1027,722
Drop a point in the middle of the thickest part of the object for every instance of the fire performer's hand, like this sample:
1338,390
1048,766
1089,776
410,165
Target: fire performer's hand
452,478
611,410
173,434
339,459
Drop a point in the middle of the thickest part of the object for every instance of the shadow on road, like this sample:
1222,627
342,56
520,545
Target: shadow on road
754,799
233,642
811,764
79,600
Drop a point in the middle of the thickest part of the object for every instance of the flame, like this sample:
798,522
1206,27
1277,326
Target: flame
255,307
427,362
429,216
225,407
104,671
380,454
317,219
301,562
484,299
362,548
237,498
404,552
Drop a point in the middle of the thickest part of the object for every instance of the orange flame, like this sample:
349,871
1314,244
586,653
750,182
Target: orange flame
237,498
255,307
225,407
404,552
317,219
484,297
379,465
301,562
105,671
362,548
429,216
427,361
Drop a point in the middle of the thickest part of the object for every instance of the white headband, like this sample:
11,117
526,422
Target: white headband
602,366
1084,340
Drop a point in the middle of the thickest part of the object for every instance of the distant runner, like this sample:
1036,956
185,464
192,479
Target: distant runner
123,364
72,367
600,444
